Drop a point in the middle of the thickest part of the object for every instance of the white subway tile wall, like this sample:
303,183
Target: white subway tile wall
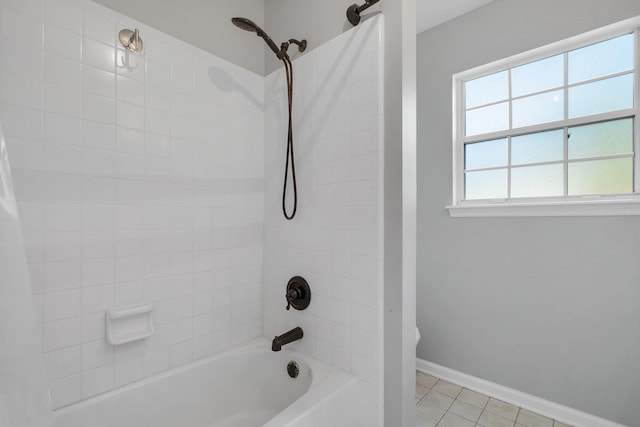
335,240
139,177
23,392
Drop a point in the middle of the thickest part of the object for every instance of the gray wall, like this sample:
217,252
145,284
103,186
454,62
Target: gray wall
209,25
549,306
316,21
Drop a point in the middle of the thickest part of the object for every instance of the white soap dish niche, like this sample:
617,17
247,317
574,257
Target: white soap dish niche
130,323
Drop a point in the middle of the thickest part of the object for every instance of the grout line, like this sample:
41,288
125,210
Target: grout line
518,415
484,408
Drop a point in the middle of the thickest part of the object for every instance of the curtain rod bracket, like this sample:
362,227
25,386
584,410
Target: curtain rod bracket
353,12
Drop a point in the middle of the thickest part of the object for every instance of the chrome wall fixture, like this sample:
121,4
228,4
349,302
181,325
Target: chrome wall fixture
131,40
353,11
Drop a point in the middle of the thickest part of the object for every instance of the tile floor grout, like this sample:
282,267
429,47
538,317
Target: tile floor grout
436,398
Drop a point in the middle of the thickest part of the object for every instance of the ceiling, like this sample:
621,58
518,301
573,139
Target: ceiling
431,13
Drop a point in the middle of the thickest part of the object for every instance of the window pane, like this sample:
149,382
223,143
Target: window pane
601,96
486,90
537,181
487,154
537,147
538,76
486,185
543,108
601,177
601,139
601,59
488,119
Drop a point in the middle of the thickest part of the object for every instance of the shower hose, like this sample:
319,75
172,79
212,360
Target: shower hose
290,159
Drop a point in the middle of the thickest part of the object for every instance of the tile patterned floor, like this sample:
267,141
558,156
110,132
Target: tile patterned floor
443,404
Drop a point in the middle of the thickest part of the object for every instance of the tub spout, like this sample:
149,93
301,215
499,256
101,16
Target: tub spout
293,335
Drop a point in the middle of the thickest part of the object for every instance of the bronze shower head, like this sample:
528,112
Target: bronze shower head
249,25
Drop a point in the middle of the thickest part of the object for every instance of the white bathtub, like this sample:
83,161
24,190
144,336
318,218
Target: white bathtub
247,386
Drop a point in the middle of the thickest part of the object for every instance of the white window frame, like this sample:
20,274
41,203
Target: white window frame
611,205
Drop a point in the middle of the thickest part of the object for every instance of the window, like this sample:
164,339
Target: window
551,132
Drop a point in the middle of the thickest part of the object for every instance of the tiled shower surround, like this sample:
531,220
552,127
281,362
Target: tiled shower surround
23,385
139,178
158,177
335,240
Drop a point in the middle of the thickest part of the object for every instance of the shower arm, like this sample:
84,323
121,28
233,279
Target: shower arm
284,47
302,44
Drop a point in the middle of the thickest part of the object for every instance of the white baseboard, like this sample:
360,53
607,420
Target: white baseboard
532,403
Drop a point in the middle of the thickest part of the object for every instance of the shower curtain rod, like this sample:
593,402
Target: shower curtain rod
353,12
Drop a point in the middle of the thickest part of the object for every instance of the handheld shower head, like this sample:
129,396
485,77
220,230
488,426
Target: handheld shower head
245,24
249,25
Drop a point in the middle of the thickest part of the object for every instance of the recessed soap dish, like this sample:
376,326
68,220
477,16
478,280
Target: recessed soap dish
130,323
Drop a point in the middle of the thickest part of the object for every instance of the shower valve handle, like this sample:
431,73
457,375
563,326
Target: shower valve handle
298,293
293,294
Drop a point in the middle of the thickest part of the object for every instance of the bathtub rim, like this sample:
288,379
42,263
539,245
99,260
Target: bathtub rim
319,373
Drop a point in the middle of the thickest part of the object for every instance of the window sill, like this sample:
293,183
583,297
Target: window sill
624,207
